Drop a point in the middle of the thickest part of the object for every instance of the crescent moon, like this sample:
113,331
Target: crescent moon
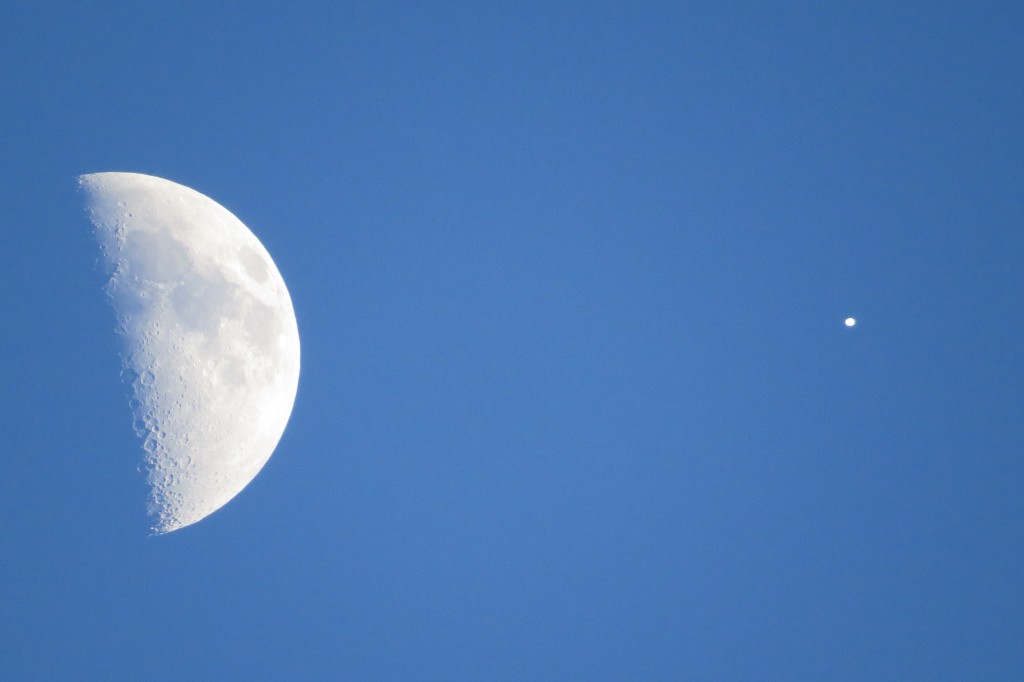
209,337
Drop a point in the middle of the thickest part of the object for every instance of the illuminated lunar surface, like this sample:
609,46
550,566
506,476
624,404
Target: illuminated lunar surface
850,322
210,343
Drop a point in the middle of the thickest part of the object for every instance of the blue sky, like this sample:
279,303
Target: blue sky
577,400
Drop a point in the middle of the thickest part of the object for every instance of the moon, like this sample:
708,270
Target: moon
850,322
210,344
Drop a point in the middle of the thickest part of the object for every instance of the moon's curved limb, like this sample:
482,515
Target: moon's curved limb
211,346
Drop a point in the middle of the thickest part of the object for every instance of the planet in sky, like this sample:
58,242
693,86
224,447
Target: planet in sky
210,345
850,322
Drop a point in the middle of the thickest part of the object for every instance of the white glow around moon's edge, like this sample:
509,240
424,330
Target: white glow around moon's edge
211,345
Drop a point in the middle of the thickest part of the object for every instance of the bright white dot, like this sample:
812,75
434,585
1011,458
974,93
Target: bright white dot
850,322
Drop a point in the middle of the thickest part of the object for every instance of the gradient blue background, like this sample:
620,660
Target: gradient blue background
577,402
